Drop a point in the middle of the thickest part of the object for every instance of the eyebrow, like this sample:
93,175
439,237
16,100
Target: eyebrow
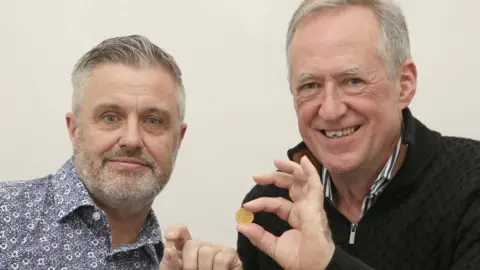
156,109
352,71
115,107
106,106
304,77
347,72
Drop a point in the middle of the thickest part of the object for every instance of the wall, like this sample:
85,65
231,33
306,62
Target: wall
239,109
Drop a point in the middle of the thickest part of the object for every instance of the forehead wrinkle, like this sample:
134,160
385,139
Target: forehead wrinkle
140,103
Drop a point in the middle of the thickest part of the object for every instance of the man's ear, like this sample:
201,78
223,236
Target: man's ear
71,121
408,83
183,129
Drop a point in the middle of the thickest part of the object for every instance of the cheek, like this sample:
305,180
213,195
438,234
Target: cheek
378,109
306,113
100,142
160,147
374,101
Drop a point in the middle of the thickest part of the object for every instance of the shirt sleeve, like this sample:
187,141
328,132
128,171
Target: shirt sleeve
341,260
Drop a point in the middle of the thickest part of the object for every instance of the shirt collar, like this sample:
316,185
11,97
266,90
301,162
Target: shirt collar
149,235
69,193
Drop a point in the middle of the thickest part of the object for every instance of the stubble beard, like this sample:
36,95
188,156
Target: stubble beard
125,191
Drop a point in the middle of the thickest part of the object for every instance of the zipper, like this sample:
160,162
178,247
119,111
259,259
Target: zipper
353,226
353,230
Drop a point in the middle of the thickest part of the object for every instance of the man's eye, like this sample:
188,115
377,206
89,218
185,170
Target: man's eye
354,81
311,85
109,118
153,121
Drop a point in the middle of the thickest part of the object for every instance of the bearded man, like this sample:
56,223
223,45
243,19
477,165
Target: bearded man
126,127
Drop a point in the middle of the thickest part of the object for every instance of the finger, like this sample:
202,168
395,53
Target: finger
190,254
313,178
206,255
292,168
296,193
227,259
279,206
279,179
178,234
170,260
259,237
315,191
169,244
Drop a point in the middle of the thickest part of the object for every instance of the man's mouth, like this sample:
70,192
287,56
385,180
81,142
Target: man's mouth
341,132
128,162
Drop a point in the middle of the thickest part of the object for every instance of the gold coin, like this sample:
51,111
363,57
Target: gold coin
243,216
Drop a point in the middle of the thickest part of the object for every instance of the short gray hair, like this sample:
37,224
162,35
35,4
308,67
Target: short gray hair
134,51
394,43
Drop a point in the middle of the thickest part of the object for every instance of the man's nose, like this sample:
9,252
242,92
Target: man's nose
332,107
131,136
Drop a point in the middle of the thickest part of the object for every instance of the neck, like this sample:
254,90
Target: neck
351,188
125,226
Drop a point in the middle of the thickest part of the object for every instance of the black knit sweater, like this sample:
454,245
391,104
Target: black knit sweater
428,217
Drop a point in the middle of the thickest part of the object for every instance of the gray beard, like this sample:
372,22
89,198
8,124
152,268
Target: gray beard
128,192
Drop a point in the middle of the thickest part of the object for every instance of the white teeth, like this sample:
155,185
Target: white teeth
339,133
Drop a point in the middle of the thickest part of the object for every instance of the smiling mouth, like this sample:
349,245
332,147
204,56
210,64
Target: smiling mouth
335,134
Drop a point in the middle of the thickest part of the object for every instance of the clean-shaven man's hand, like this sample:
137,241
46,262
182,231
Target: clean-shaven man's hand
183,253
309,244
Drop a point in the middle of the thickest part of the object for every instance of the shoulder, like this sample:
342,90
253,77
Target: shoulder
457,166
21,197
462,155
20,189
462,144
22,204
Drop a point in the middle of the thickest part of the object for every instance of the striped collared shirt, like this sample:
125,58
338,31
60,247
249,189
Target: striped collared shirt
391,167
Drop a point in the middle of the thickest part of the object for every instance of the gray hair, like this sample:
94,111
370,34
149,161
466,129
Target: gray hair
394,43
134,51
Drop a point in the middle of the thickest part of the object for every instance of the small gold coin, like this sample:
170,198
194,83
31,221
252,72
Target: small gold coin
243,216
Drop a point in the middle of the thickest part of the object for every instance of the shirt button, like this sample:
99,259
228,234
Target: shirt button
96,216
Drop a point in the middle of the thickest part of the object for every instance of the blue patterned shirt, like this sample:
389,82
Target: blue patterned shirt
53,223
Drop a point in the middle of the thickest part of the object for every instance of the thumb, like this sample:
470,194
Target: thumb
170,260
178,235
260,238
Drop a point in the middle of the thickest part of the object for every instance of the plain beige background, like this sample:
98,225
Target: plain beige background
239,109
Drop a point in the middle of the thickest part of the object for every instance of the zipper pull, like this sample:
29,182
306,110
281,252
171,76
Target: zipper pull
353,230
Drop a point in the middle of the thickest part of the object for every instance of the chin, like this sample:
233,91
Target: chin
335,168
341,164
